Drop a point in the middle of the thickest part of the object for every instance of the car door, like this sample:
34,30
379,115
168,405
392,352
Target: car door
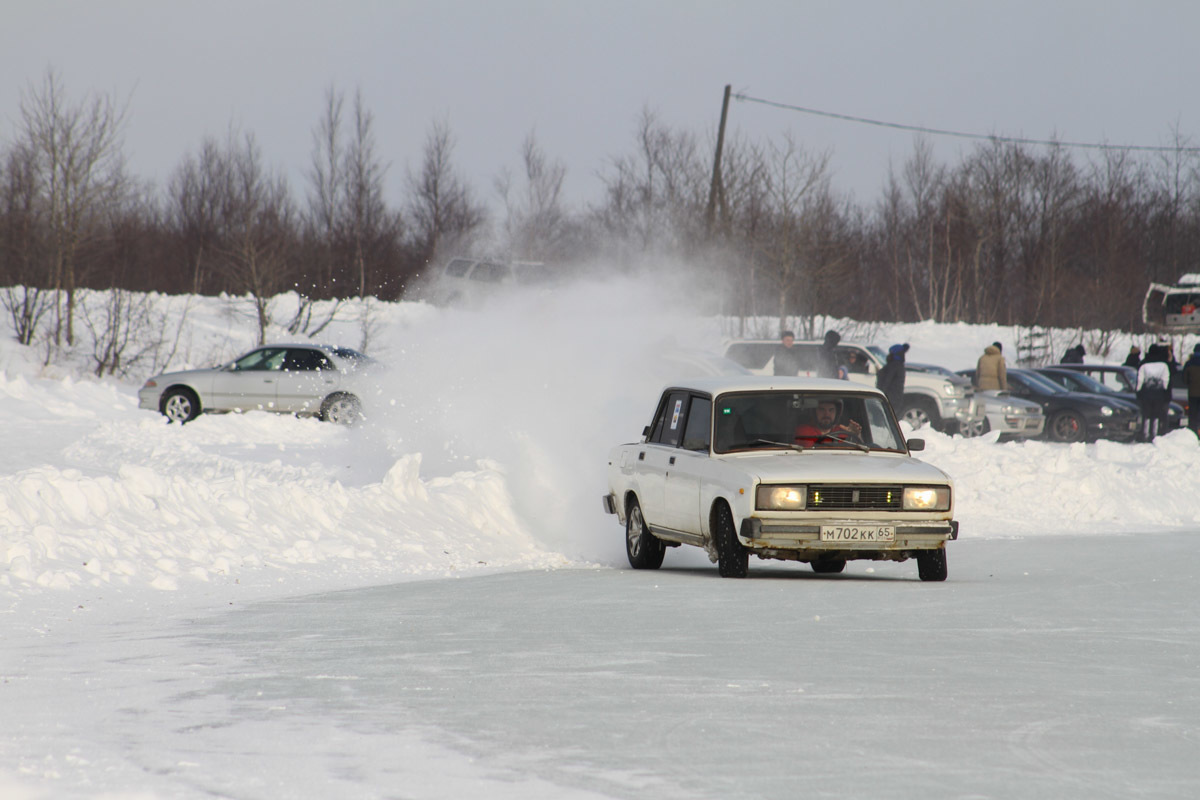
249,382
686,468
658,454
308,377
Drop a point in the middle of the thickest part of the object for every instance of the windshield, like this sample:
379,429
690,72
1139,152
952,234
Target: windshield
1039,383
803,420
1082,382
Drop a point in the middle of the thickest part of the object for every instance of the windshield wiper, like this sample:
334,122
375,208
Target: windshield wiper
790,445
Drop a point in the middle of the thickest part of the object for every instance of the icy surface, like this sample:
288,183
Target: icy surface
172,624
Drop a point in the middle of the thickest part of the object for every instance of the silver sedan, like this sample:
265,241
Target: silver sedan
305,379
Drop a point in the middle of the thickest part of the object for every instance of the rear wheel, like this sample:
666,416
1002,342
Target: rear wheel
180,405
733,559
341,409
1067,426
931,564
644,549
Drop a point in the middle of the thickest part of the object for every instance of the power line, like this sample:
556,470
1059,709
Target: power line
963,135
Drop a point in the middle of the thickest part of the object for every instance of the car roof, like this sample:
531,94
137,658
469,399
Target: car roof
759,383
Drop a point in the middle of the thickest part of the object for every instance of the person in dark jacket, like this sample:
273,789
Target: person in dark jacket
1074,355
1191,377
1134,359
890,379
1154,391
787,355
827,360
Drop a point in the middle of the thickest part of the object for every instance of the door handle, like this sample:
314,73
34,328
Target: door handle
642,456
672,461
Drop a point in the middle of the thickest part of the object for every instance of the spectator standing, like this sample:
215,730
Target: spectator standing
787,355
1134,359
1154,391
1191,376
827,360
890,379
855,363
1074,355
990,371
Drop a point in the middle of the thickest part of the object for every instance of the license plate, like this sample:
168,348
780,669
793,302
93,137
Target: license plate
858,533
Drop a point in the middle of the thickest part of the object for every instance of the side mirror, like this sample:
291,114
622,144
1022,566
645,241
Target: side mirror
916,445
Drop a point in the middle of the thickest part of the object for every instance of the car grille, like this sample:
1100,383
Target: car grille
840,497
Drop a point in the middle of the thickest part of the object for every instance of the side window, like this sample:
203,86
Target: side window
697,431
261,359
458,267
490,272
668,425
304,360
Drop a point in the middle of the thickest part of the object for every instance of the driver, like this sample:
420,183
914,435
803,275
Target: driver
827,425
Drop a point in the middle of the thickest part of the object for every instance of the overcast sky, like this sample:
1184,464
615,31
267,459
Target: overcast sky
579,74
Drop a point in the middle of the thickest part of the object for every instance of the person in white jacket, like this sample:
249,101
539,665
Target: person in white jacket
1154,391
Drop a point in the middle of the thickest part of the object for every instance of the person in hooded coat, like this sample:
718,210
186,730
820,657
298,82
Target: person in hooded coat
1074,355
990,371
1191,376
1154,391
1134,359
827,360
890,379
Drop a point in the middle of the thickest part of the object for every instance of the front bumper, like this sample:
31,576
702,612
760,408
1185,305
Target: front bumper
802,540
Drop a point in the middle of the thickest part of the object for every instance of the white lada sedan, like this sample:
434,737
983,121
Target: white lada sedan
786,468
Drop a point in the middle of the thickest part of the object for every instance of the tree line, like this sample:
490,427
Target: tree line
1015,234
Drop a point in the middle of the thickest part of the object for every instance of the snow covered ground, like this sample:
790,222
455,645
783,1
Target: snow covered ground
122,536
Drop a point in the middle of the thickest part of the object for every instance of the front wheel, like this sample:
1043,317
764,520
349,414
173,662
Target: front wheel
975,428
644,549
180,405
341,409
1067,426
919,412
733,558
931,565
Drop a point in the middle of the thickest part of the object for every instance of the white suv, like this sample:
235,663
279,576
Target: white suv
946,403
470,280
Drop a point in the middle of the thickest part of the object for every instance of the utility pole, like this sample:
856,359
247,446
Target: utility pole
717,190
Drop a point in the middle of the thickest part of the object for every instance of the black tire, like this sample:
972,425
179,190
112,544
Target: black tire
828,566
341,409
931,564
180,405
644,549
1067,426
920,411
733,558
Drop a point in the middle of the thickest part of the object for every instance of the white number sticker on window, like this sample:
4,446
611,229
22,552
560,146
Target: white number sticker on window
675,416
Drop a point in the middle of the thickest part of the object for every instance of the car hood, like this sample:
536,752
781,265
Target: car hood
840,467
198,378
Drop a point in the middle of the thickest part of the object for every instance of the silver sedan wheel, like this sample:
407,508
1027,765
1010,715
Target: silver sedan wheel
976,427
342,410
178,407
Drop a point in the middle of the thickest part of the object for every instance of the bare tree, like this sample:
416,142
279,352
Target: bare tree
536,224
23,245
196,192
78,167
443,213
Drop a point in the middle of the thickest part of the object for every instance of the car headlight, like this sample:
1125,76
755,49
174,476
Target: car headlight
1106,411
926,498
780,498
951,389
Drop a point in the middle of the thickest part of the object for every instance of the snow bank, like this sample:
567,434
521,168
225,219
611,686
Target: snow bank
484,450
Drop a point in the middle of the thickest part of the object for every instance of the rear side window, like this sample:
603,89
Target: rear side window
668,424
490,272
458,267
752,355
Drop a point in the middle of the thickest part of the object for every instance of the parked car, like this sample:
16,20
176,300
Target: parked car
1078,381
467,281
1072,416
739,466
1123,380
1013,417
944,403
304,379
